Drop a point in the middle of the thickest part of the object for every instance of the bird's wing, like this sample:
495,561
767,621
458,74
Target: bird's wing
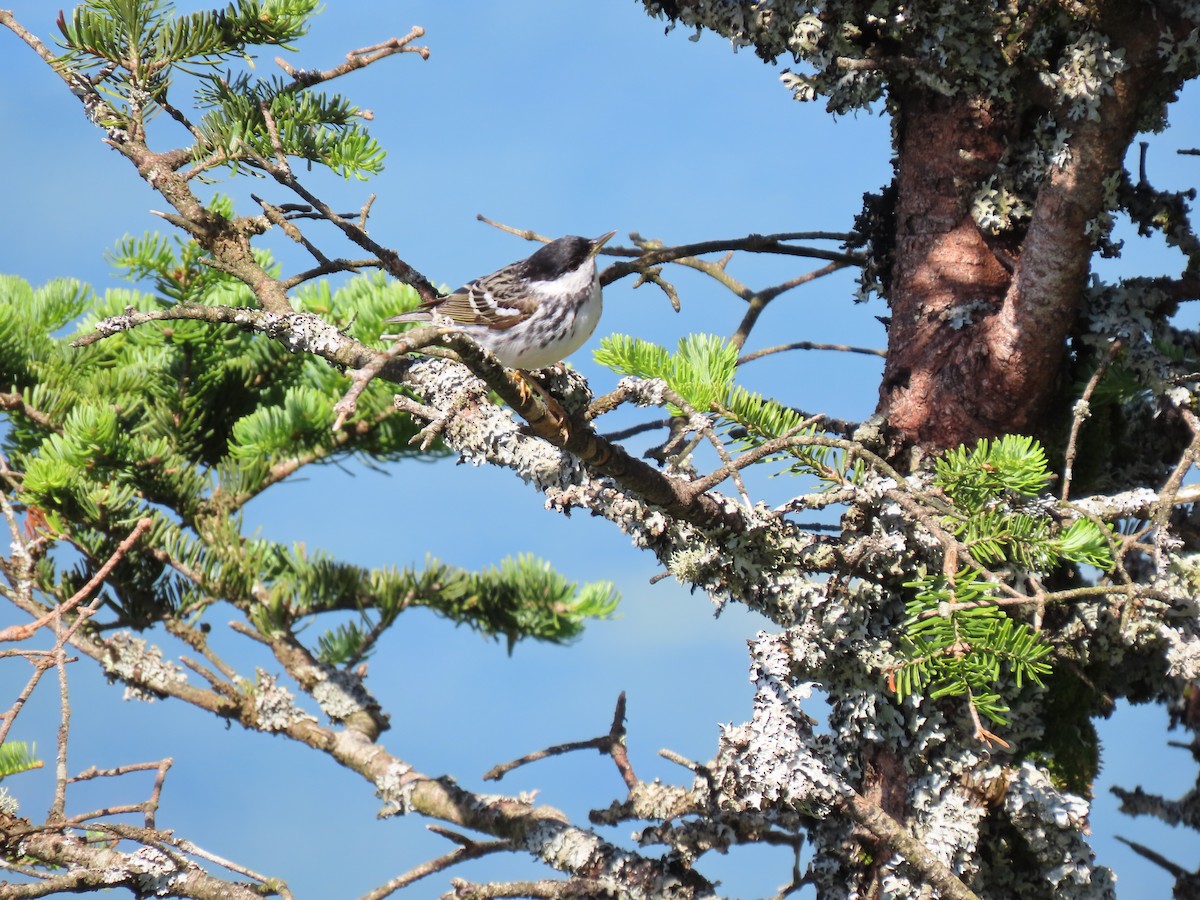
496,301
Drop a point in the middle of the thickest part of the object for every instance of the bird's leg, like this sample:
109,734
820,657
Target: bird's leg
554,410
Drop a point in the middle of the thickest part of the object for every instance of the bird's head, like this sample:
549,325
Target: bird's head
565,255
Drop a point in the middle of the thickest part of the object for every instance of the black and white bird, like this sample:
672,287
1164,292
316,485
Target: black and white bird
532,313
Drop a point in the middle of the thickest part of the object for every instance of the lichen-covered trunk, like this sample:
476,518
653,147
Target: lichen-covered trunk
979,324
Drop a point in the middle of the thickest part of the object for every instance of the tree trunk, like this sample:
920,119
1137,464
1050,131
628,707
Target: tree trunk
945,379
979,324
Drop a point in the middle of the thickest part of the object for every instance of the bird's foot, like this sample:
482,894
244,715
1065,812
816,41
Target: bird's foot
554,415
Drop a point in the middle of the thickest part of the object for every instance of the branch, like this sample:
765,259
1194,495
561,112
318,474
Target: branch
1080,413
890,833
356,59
809,345
22,632
156,867
467,850
612,744
754,243
39,418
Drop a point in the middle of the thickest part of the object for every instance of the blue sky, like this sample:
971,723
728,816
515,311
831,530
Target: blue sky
563,118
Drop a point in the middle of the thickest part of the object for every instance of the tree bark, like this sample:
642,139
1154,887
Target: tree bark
979,325
942,381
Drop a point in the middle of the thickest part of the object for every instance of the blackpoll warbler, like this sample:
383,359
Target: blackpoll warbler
531,313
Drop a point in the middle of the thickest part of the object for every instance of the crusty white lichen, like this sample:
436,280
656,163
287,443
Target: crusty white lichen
152,872
838,636
140,666
394,787
775,761
274,705
1054,824
340,694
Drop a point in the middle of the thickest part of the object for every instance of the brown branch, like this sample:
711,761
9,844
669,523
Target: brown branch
22,632
758,302
356,59
148,807
1079,414
42,663
545,889
754,243
622,434
405,343
808,345
92,866
523,233
1170,491
793,437
39,418
1178,872
655,253
58,808
704,426
332,268
612,744
577,437
390,260
893,836
468,849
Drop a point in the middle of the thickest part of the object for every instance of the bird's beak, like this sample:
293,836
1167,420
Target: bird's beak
600,242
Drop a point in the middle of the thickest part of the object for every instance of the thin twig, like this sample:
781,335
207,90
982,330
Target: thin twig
467,849
792,437
525,234
1079,414
1170,490
58,808
21,632
360,378
612,744
704,426
42,663
634,430
148,807
808,345
758,302
355,59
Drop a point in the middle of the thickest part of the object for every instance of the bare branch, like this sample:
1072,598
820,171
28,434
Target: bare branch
809,345
468,849
1080,414
21,632
356,59
612,744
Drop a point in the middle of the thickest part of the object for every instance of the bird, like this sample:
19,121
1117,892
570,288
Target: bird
532,313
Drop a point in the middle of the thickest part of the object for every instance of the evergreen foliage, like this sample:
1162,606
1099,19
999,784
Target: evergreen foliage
142,47
702,371
17,757
187,422
958,640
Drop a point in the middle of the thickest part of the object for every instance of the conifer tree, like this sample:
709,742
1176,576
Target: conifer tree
1015,544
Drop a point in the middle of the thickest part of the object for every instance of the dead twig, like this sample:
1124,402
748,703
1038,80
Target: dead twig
23,632
1079,414
467,849
612,744
808,345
